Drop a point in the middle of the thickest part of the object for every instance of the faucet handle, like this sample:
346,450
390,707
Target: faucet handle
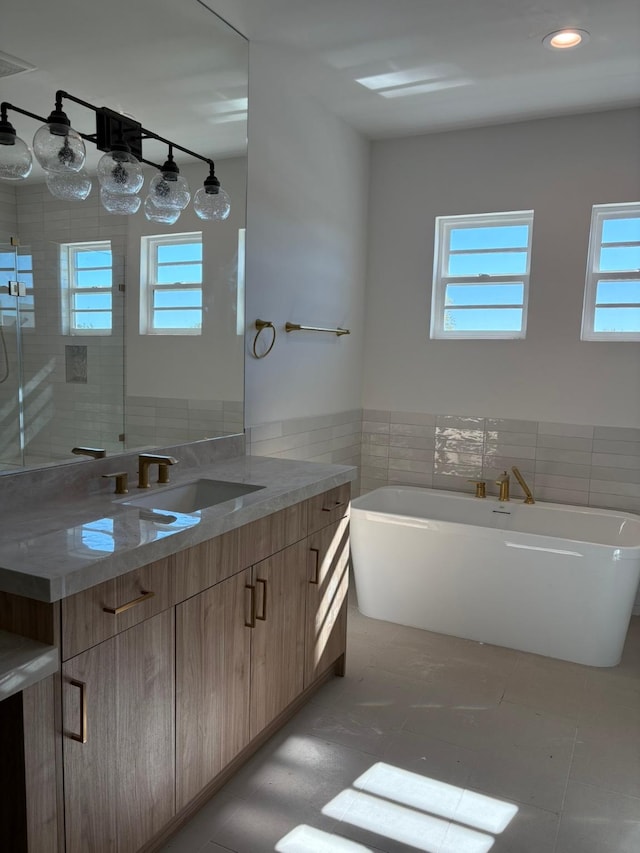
122,482
481,487
163,470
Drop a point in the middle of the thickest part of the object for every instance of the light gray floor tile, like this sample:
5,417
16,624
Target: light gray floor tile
558,740
598,821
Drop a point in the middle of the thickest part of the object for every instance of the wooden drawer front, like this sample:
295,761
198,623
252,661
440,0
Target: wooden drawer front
86,619
259,539
196,569
328,507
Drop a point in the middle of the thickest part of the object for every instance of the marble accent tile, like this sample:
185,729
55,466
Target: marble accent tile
458,422
527,439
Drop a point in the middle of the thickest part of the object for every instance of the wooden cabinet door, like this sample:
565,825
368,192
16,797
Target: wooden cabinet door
327,590
213,648
118,697
277,662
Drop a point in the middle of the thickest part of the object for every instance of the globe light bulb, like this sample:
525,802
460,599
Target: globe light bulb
70,186
168,189
15,158
59,148
165,215
117,203
212,206
119,172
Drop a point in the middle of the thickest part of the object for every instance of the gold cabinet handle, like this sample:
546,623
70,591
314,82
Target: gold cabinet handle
116,611
316,572
263,618
252,618
335,506
82,737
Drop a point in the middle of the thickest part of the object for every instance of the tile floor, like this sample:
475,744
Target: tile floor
547,754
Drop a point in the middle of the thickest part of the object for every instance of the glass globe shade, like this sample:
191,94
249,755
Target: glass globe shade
212,206
119,172
59,148
69,186
169,191
159,214
15,158
124,205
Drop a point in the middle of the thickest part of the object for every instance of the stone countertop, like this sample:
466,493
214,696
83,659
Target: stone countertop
56,550
23,662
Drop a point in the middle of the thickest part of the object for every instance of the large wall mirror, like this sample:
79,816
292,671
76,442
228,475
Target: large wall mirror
118,332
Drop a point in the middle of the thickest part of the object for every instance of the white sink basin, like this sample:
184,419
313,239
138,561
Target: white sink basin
192,496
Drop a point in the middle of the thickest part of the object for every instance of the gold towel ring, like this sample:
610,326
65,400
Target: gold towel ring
260,325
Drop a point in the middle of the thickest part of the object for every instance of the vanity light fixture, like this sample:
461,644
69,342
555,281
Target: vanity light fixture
566,39
61,152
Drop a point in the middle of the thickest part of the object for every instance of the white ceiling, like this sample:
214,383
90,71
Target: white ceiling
177,70
479,61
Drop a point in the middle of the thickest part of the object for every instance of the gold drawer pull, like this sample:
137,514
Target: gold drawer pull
263,618
316,571
335,506
82,737
252,617
116,611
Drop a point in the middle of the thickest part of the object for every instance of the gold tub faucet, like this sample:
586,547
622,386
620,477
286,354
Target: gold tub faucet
503,482
147,459
529,496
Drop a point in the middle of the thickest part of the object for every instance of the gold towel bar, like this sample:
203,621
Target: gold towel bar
296,327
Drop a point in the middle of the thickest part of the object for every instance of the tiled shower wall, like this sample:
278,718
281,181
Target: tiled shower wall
563,463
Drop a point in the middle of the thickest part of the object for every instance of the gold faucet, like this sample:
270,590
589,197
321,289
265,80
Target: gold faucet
503,482
94,452
147,459
481,488
529,496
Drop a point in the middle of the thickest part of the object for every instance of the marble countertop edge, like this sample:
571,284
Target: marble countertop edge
23,663
57,564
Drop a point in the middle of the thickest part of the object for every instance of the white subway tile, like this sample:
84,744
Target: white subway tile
625,448
617,433
565,442
621,502
375,427
577,430
610,487
417,418
578,484
562,496
615,460
379,415
552,454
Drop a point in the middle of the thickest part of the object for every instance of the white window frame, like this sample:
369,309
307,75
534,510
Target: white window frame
149,285
68,270
600,214
444,226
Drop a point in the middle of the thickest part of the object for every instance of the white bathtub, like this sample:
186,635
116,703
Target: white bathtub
551,579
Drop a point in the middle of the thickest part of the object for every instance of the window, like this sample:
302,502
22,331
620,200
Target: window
612,289
85,272
481,275
171,284
16,265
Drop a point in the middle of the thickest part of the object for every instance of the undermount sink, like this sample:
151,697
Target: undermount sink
193,496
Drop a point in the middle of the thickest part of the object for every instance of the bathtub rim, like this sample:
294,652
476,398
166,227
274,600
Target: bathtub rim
631,552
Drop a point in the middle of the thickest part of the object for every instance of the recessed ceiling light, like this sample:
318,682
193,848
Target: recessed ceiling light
565,39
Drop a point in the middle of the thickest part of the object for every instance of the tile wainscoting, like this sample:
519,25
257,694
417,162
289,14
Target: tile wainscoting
562,463
325,438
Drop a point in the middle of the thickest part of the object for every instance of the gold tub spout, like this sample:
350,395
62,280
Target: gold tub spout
529,497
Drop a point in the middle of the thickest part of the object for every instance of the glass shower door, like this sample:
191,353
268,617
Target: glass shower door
11,403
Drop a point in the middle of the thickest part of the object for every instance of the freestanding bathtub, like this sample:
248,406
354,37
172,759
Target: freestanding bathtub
547,578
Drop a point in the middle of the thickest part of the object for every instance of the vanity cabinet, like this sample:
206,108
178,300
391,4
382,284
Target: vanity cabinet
213,670
174,673
118,739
